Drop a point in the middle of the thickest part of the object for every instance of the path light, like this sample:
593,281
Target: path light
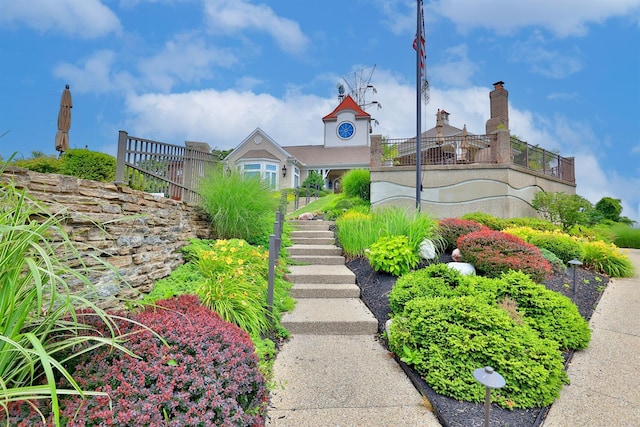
490,379
574,263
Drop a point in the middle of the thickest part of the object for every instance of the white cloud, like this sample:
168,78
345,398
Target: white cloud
239,16
78,18
184,59
457,71
546,62
96,74
225,118
564,18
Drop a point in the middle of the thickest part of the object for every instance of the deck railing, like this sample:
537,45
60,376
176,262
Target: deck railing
438,150
156,167
466,149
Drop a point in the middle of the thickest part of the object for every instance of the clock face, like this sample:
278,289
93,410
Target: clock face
345,130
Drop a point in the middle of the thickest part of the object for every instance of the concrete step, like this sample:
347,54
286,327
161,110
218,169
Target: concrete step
320,274
310,225
319,290
305,234
318,259
320,250
313,240
330,316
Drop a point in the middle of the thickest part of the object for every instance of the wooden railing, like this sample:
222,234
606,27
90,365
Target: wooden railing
156,167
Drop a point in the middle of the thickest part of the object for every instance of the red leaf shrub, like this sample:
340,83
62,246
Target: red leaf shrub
207,375
450,229
494,252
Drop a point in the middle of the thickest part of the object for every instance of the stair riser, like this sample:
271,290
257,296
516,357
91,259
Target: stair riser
321,278
312,234
324,291
331,328
318,260
325,251
313,240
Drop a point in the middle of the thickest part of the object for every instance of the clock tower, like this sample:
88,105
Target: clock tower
347,126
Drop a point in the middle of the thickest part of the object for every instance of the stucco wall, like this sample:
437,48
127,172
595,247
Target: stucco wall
137,232
502,190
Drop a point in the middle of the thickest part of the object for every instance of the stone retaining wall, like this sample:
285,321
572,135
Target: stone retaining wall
138,233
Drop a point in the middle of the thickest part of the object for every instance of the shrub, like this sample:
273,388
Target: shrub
436,280
450,229
494,252
235,283
490,221
606,258
562,245
238,206
342,204
556,263
397,221
535,223
43,164
87,164
445,339
552,314
356,183
205,372
625,236
393,255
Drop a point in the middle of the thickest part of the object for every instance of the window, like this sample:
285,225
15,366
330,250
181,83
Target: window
265,171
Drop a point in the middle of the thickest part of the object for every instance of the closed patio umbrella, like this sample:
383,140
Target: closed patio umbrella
64,121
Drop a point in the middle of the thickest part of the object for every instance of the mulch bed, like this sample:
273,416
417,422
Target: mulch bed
374,290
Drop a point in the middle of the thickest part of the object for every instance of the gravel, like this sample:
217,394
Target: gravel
375,288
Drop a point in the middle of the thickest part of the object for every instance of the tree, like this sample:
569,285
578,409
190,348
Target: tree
562,208
314,180
609,208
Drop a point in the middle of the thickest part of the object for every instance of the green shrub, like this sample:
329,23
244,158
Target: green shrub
44,164
87,164
436,280
552,314
393,255
343,204
398,221
445,324
238,206
490,221
535,223
556,263
606,258
625,236
356,183
562,245
495,252
445,339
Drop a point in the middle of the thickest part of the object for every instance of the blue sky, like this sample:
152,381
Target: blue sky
214,70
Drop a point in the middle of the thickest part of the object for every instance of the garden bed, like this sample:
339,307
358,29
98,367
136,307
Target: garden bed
375,288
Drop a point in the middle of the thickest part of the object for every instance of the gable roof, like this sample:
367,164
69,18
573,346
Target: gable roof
257,133
347,104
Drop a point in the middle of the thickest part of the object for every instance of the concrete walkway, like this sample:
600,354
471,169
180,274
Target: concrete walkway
605,377
333,372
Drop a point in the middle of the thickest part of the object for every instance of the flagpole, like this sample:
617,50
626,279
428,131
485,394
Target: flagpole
419,37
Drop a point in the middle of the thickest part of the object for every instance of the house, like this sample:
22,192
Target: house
346,146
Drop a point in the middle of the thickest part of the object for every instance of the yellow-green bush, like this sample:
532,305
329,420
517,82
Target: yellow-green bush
606,258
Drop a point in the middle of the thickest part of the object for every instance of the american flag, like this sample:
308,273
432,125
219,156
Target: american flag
423,50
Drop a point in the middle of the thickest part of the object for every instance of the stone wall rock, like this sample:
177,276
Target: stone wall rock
136,232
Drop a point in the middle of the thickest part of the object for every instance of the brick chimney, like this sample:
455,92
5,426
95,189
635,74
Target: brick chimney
499,102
